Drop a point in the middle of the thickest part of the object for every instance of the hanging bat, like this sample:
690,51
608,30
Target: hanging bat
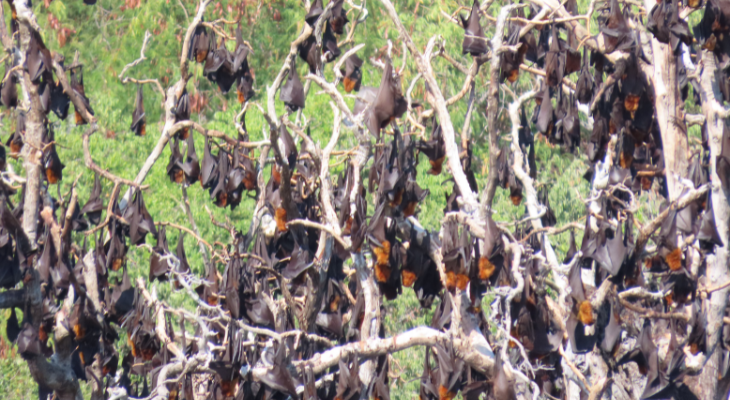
338,17
140,220
315,10
474,40
352,74
159,268
292,92
138,116
201,43
93,208
77,85
38,59
174,166
182,113
9,89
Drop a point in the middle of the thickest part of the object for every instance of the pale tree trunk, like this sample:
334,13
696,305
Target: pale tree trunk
669,113
31,153
717,264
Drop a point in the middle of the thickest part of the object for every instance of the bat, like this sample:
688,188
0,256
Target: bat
138,116
38,59
77,85
182,113
201,43
9,89
159,267
474,40
554,60
140,220
585,87
218,193
351,74
338,17
93,208
191,165
174,166
292,92
52,165
502,386
315,10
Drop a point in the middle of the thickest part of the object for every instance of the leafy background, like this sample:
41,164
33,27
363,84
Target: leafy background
108,35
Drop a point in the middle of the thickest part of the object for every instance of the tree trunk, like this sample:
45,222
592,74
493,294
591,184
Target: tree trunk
669,113
717,264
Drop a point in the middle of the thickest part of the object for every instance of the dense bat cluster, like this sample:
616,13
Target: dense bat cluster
287,259
622,106
219,64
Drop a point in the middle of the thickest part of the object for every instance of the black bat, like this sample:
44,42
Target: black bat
59,100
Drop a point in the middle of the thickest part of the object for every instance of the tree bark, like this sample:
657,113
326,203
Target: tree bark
31,153
717,264
669,113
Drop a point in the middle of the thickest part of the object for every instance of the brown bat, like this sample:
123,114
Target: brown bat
38,59
174,166
352,73
201,43
315,10
52,165
140,220
138,116
474,40
77,85
9,89
292,92
338,17
191,165
93,208
159,268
